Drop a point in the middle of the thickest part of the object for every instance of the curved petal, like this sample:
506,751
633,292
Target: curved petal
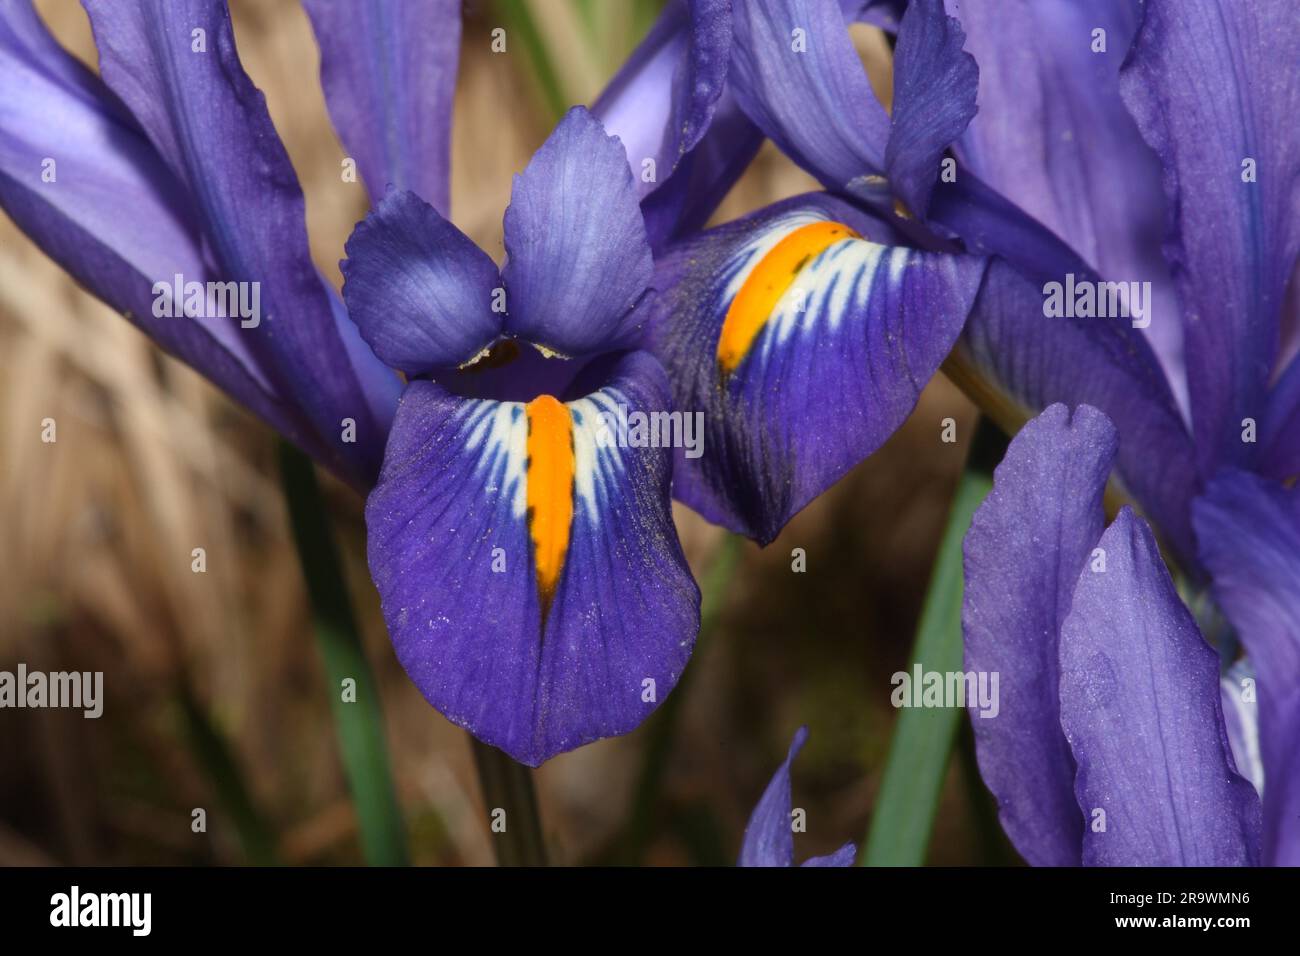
1023,553
661,101
1249,534
389,71
769,838
684,203
796,73
1203,85
110,212
1039,360
1141,709
531,577
175,66
579,258
769,835
418,288
803,345
935,84
1053,135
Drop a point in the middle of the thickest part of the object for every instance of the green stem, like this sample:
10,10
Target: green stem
903,818
508,786
223,771
358,718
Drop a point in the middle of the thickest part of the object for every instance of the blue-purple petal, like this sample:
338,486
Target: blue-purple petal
418,288
807,90
1202,82
451,554
847,855
1249,534
1053,136
175,66
935,83
1038,360
769,836
578,256
1141,708
835,367
1023,553
389,72
661,101
113,215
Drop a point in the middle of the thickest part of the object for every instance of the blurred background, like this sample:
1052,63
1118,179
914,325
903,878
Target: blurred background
215,694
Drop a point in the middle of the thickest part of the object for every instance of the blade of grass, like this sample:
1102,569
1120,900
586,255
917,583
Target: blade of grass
903,819
213,754
519,23
360,723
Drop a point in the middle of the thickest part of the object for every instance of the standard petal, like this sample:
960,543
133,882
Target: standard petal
1141,709
661,101
796,73
935,83
1203,83
175,66
703,178
1249,535
79,177
418,288
1023,553
531,578
1052,135
803,345
1038,360
769,837
579,258
389,72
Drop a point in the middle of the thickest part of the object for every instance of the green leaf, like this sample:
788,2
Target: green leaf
903,818
359,723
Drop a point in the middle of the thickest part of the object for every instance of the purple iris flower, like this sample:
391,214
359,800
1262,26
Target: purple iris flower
769,835
807,330
523,545
1170,155
1111,747
1113,141
531,575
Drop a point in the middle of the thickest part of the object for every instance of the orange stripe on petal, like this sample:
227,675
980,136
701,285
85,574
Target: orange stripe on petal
549,489
768,282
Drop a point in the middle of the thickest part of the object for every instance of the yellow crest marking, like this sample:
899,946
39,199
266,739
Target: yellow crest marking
768,282
549,489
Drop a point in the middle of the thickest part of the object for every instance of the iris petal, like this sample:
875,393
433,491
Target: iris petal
389,72
804,346
175,66
531,578
1026,546
113,215
1140,706
418,288
1201,83
1249,533
579,258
